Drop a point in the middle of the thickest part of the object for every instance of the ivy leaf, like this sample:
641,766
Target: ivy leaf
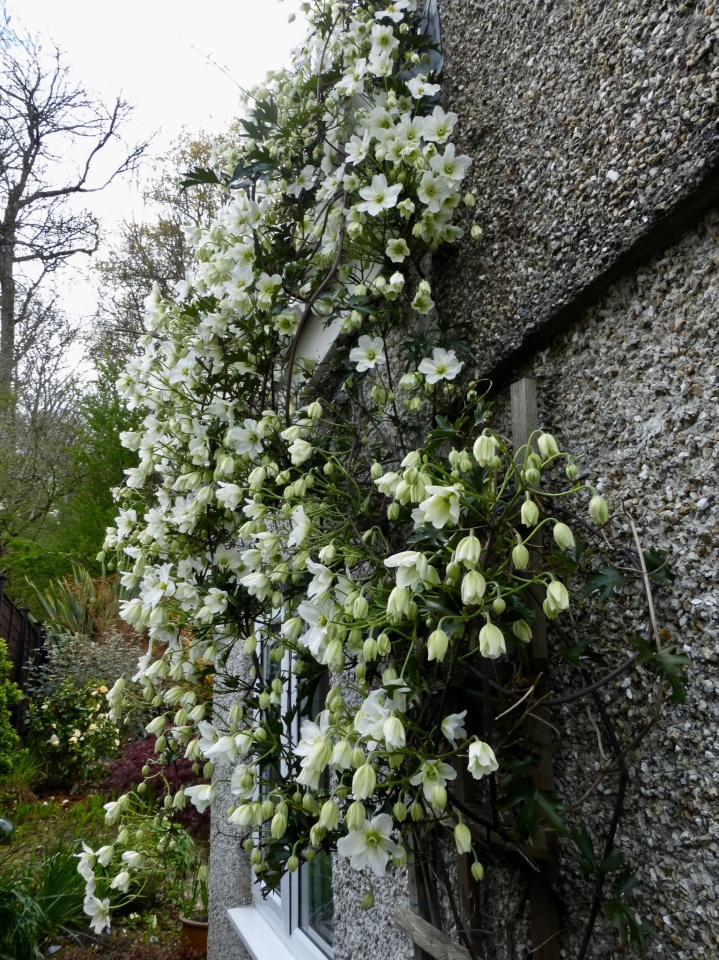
607,581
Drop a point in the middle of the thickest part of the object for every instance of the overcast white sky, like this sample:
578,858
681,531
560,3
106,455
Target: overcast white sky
154,53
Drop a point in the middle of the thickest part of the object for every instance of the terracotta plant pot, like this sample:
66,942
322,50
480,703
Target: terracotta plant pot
193,938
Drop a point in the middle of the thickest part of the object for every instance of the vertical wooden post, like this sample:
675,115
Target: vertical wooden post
544,914
418,895
469,903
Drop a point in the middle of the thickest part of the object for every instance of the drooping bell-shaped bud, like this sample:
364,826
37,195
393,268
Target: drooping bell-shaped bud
530,513
563,536
520,556
598,510
547,446
462,838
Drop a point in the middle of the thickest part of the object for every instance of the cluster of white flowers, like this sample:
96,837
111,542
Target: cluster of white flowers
253,520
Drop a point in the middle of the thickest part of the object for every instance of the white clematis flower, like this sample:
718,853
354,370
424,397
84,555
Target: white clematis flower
370,846
442,366
368,353
379,196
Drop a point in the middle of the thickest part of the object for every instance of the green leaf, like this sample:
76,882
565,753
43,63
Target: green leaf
198,176
607,581
613,862
585,846
626,883
629,929
552,808
656,561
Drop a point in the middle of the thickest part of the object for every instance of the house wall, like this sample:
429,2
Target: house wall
605,289
590,123
632,388
593,127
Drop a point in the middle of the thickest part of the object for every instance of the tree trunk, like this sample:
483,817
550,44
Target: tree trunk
7,317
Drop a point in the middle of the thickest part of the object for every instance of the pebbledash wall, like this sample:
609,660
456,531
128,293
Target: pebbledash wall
593,124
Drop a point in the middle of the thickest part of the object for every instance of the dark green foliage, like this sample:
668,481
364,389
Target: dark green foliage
10,695
71,726
74,530
38,900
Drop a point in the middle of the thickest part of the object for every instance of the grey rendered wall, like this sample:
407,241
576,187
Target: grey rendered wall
590,121
633,388
594,131
230,871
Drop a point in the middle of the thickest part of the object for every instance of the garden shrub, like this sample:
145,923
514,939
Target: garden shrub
10,695
71,721
126,772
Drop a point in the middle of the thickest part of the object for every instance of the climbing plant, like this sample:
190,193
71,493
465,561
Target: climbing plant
356,526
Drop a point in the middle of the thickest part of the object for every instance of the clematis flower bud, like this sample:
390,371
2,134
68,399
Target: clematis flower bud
563,536
547,446
462,838
477,871
522,631
530,513
598,510
468,551
369,649
473,587
530,476
356,816
398,603
364,781
293,864
437,645
393,732
399,811
453,571
572,471
360,608
484,449
330,815
557,599
439,797
342,755
278,827
520,556
367,901
491,641
499,606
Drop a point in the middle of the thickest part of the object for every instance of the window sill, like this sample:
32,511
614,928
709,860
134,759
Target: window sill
263,942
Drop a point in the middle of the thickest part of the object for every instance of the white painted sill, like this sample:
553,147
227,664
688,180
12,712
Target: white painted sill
263,942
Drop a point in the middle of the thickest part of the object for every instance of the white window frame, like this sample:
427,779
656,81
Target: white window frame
270,928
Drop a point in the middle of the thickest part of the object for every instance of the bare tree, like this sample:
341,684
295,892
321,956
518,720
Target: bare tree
51,137
152,249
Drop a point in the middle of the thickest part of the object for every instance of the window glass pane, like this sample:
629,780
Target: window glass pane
316,907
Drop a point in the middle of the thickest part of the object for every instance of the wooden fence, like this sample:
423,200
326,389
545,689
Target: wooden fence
24,638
